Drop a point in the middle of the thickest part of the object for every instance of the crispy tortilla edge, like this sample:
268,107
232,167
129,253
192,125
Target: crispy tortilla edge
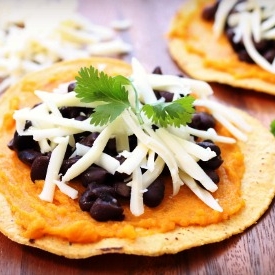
258,187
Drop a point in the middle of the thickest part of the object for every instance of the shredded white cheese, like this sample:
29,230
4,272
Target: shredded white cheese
136,202
109,163
200,192
52,175
36,34
173,146
181,85
134,159
185,162
150,175
92,155
141,82
254,20
66,189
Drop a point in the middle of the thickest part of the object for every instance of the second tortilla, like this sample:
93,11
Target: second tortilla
198,53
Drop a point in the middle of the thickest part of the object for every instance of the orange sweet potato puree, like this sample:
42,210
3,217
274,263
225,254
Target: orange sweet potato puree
217,54
63,218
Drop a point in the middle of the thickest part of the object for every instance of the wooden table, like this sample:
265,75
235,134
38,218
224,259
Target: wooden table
252,252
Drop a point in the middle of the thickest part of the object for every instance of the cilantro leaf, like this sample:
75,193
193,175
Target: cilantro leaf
112,97
272,127
93,85
177,113
105,113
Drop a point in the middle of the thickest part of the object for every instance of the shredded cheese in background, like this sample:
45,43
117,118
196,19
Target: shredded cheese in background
254,20
173,146
36,34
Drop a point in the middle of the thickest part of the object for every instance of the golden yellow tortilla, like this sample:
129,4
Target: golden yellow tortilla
258,184
198,53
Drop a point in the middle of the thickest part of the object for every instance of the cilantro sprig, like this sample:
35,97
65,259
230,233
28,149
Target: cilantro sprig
174,113
112,96
93,85
272,127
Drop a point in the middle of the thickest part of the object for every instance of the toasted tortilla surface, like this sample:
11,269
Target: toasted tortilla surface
258,184
193,46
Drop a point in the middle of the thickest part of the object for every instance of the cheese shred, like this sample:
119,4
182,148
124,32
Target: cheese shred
36,34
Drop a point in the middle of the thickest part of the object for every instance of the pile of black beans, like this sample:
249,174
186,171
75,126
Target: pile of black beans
265,47
105,193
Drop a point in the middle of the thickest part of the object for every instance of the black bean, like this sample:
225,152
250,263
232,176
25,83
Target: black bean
202,121
71,87
166,95
213,175
237,46
105,210
120,158
209,11
27,125
39,168
86,200
28,156
269,55
132,142
81,136
211,145
93,174
81,117
110,147
122,189
155,194
69,152
120,176
262,45
89,140
230,33
157,94
244,56
157,70
103,191
20,143
94,191
212,164
155,127
93,185
70,112
67,163
165,171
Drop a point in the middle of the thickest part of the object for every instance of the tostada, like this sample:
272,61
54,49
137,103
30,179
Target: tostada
230,42
99,156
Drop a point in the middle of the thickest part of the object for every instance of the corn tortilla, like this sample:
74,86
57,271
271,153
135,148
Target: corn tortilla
258,184
198,53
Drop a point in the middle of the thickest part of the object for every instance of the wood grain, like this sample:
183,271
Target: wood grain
252,252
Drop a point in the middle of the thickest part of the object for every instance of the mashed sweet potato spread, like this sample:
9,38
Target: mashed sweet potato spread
217,54
63,218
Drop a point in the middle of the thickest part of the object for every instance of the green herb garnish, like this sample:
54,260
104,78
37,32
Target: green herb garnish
93,85
112,96
272,127
176,113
